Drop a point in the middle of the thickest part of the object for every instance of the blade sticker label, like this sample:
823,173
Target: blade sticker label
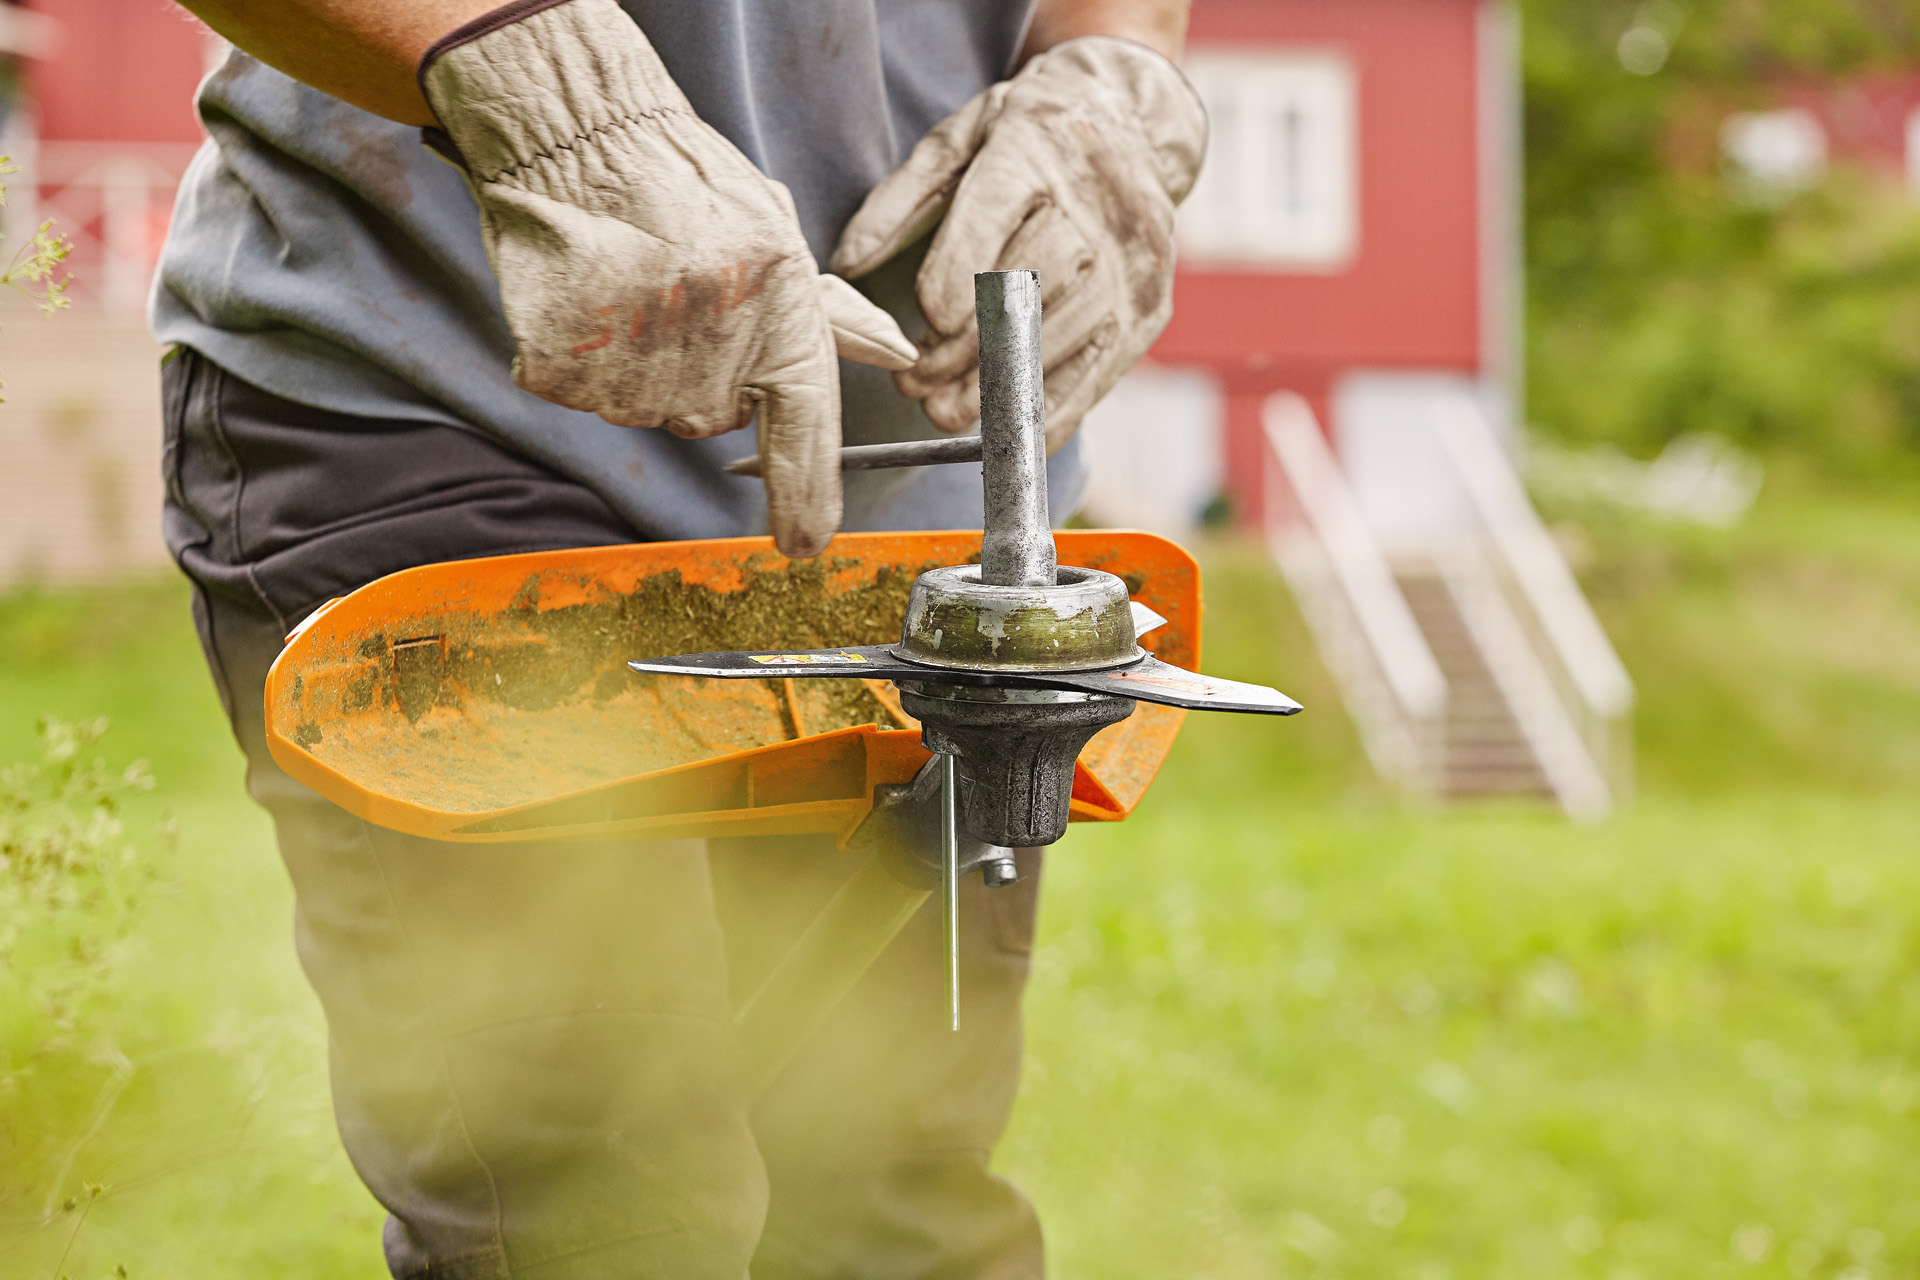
806,659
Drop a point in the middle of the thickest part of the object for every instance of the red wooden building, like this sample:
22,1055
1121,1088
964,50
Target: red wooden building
1357,211
105,129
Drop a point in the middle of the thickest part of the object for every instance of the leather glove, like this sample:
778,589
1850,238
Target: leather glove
649,272
1071,168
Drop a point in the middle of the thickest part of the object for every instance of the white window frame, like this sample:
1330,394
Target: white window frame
1311,163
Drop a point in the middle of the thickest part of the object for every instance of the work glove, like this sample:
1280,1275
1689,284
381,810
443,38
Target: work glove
1071,168
649,273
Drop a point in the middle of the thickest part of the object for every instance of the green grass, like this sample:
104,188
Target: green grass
1281,1024
1486,1046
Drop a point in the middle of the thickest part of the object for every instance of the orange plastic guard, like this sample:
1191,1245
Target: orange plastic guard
488,700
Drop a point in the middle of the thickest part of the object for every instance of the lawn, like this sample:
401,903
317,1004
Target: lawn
1281,1024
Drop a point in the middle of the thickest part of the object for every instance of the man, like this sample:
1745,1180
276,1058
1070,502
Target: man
441,271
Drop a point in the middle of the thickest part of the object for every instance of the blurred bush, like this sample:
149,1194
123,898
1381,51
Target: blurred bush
70,883
69,880
1665,300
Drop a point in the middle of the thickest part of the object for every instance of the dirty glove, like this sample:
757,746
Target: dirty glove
1071,168
649,272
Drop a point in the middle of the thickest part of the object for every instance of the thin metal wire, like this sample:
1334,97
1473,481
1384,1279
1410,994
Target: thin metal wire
950,881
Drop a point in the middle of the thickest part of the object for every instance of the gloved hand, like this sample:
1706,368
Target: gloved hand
649,272
1072,168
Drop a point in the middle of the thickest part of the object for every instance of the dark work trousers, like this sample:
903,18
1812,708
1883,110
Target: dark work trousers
531,1045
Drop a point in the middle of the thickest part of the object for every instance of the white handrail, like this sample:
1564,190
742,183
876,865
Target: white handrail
1329,507
125,190
1535,561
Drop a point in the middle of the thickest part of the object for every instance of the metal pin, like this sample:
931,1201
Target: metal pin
879,457
950,881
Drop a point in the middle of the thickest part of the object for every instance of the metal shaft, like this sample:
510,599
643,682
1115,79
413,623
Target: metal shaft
950,881
1018,548
858,923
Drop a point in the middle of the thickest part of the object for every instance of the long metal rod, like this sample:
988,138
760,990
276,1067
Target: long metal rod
1017,549
879,457
950,881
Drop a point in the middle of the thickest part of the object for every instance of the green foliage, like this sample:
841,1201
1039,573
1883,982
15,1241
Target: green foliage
69,884
1736,42
1663,299
32,270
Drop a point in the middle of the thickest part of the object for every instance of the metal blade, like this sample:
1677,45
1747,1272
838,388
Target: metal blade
1152,680
1148,680
1145,620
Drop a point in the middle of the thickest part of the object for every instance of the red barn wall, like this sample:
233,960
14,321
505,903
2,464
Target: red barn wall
123,71
1412,295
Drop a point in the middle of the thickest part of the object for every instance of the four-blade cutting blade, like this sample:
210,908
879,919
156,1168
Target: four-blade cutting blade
1147,679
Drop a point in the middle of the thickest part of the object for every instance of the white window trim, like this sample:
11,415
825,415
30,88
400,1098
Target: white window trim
1222,227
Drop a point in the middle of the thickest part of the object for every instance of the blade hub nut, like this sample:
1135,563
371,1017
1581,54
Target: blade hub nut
1015,756
955,620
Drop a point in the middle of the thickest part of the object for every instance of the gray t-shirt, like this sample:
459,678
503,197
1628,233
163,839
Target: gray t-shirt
324,254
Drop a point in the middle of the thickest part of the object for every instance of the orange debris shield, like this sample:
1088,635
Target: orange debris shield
489,700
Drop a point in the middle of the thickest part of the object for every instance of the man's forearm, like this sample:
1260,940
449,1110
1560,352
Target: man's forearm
1161,25
365,51
360,51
